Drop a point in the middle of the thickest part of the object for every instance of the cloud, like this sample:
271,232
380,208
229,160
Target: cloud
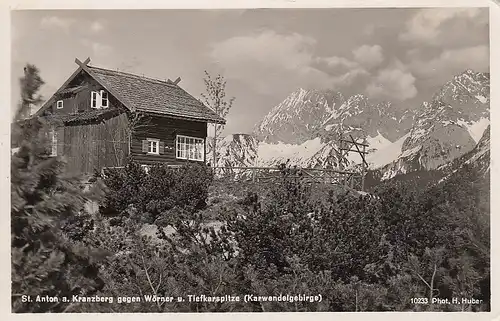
338,62
96,26
453,61
269,61
349,78
369,56
288,51
274,63
432,26
393,82
98,49
56,22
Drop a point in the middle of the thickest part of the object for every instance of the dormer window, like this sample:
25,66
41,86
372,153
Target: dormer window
94,100
104,99
59,104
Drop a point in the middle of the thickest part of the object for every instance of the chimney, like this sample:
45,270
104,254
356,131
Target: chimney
177,80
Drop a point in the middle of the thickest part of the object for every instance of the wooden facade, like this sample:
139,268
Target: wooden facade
166,130
77,97
91,139
110,140
90,146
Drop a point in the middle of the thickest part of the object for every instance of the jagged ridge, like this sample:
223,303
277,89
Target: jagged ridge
305,129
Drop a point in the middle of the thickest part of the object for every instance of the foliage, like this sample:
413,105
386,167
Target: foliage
30,85
48,220
156,195
370,252
196,259
418,243
45,260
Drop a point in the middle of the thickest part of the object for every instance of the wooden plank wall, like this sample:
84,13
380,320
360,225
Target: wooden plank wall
165,129
92,146
80,101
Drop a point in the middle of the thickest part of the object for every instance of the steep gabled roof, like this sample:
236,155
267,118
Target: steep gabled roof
149,95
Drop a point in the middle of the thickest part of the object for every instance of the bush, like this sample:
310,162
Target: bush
45,260
361,253
389,241
152,196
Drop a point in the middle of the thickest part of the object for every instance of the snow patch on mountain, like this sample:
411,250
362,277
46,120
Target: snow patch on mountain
269,153
305,129
482,148
478,158
377,142
482,99
476,128
386,154
236,150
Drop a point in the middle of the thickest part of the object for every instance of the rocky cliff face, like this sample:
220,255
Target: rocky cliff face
237,150
305,128
445,128
305,115
478,158
298,117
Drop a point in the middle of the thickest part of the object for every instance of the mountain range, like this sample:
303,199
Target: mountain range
305,129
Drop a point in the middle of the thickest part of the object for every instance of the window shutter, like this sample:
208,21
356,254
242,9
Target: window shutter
99,99
161,147
93,99
104,99
145,146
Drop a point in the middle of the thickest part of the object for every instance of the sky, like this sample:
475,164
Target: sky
398,54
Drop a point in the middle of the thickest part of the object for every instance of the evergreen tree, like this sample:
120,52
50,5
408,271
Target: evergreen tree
30,85
45,261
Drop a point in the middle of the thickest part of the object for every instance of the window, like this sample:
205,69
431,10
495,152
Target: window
93,101
153,146
59,104
104,99
99,99
191,148
53,135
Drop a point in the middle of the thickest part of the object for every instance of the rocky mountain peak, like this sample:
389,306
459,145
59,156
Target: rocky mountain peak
302,112
467,88
306,125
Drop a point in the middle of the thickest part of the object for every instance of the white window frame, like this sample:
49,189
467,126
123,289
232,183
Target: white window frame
151,146
186,148
104,93
94,96
60,104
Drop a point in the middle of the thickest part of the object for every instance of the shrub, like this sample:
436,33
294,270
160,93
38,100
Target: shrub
389,241
361,253
152,196
46,261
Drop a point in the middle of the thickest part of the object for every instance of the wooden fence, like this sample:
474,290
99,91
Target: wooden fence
309,175
269,174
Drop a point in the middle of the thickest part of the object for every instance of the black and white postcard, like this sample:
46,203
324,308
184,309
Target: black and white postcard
283,158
